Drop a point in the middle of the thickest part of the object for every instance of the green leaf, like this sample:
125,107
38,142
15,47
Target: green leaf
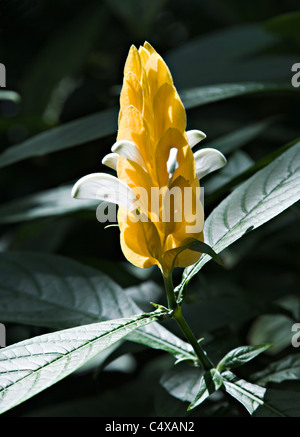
241,355
104,123
208,94
49,203
237,64
265,195
210,382
10,95
83,130
261,402
56,292
31,366
288,368
200,246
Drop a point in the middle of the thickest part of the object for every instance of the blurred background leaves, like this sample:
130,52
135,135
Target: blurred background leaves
64,71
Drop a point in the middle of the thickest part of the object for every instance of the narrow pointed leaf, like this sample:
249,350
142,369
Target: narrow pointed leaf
207,94
241,355
261,402
200,246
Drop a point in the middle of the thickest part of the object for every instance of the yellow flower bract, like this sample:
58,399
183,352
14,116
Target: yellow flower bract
153,117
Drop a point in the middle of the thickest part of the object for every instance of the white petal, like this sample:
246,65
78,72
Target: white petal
111,160
194,137
102,186
172,163
208,160
128,150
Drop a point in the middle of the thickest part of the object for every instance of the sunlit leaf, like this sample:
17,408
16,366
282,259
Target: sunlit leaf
28,367
261,402
57,292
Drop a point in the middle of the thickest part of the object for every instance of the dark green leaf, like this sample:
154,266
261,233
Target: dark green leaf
200,246
241,355
83,130
234,140
210,61
207,94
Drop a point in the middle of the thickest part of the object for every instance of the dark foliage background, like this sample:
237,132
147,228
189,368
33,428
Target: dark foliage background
65,59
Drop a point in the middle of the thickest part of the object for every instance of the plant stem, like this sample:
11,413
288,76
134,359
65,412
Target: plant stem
178,316
172,302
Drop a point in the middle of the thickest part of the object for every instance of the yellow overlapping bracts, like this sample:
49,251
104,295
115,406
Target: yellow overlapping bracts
153,117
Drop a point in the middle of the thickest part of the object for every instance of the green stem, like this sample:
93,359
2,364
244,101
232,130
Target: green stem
172,302
178,316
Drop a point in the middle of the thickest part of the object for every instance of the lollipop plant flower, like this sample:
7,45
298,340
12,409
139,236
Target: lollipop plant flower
157,186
